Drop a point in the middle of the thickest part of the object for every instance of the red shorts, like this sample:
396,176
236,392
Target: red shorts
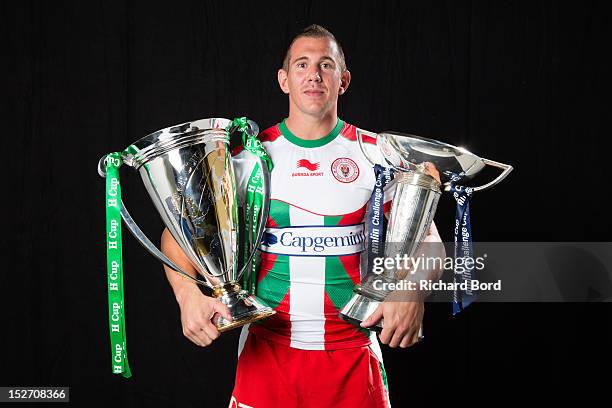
273,375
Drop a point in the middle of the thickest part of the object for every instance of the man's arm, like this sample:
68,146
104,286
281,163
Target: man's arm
403,310
197,310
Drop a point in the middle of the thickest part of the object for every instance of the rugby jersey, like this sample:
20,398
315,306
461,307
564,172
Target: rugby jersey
314,236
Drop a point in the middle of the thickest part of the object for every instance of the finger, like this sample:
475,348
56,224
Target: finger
373,318
409,337
415,338
192,333
211,330
189,337
200,330
196,341
222,309
386,335
397,338
203,337
215,318
407,341
431,169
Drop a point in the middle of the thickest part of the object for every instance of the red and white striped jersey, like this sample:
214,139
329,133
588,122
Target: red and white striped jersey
315,234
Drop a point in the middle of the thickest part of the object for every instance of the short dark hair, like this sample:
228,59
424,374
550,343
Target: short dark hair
315,31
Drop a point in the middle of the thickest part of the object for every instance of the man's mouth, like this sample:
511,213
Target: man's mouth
314,92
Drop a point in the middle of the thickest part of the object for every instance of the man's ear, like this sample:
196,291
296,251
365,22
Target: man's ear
345,80
282,80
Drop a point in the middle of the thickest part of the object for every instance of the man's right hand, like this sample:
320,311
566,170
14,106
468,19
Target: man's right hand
198,313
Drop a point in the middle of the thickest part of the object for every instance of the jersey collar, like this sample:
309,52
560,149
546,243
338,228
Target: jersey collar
310,143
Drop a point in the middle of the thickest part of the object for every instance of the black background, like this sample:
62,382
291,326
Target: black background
518,82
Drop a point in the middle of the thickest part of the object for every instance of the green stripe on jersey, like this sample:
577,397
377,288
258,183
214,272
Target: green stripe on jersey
279,212
338,284
331,220
274,286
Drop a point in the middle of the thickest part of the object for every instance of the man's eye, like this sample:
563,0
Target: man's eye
326,65
301,65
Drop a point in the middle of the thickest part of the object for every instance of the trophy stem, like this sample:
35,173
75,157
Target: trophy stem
360,307
244,307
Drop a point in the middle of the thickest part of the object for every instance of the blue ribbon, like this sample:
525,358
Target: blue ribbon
463,248
377,222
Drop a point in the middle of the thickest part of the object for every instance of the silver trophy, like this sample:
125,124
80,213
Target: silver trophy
187,170
414,205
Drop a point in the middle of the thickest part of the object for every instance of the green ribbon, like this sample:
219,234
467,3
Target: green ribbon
114,267
253,200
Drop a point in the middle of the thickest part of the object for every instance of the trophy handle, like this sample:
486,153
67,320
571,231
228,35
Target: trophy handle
142,238
506,170
263,214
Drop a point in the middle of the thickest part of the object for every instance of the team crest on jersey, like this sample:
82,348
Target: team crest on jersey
345,170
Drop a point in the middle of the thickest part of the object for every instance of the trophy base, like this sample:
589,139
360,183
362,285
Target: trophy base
244,307
359,308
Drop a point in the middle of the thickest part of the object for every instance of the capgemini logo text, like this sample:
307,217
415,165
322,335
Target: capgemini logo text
315,240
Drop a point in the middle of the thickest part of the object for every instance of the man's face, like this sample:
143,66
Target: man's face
314,78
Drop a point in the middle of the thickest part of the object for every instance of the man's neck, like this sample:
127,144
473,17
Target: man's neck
309,127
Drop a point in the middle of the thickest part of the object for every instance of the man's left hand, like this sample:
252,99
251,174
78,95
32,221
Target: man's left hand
402,321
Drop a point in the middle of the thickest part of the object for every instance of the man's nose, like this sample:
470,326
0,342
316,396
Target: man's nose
314,75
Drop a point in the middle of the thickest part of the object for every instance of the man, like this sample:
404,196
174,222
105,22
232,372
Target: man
305,355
